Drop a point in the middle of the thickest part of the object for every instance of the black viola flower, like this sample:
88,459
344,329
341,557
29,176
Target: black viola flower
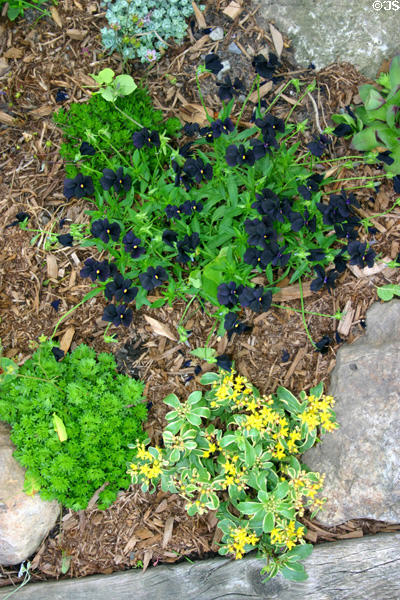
153,277
270,126
58,353
233,325
259,148
345,230
146,138
78,187
319,145
186,150
172,211
276,209
123,182
87,149
169,237
216,127
19,218
117,315
132,245
331,214
196,169
316,254
298,221
254,257
385,157
285,356
338,339
55,304
188,244
104,230
311,185
207,132
226,90
265,68
264,200
95,269
323,278
181,177
213,63
323,344
259,234
61,95
239,156
275,255
343,203
342,130
396,184
256,298
186,208
228,294
340,262
359,255
224,362
65,239
120,289
190,129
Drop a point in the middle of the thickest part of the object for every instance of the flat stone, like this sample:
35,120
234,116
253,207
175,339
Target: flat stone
336,30
217,34
234,48
360,569
24,520
361,459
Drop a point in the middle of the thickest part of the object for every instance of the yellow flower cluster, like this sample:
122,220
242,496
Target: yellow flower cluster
230,388
240,538
318,412
303,487
147,466
233,475
287,534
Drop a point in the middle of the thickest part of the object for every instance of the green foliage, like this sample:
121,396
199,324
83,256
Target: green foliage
234,451
99,123
71,423
112,87
141,28
388,291
16,8
376,122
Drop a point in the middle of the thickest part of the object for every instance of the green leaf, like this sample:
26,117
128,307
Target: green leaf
194,398
32,483
294,571
158,303
205,353
125,85
290,401
201,411
194,419
173,401
104,77
108,94
386,292
300,552
281,490
268,522
8,369
249,508
394,72
365,139
249,453
59,428
371,98
65,562
209,377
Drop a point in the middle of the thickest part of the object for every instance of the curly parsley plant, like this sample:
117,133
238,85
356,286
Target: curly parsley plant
71,423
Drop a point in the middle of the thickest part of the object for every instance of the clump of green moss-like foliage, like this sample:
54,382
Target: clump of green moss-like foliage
98,120
72,422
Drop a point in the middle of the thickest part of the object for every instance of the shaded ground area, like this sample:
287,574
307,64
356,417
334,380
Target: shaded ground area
45,57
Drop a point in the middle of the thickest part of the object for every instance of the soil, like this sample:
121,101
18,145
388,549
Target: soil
60,52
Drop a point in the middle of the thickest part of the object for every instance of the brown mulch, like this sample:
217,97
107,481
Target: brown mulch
61,53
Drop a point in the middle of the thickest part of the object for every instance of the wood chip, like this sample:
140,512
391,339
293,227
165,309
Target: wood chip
6,118
193,113
14,53
3,66
42,111
292,292
52,267
146,559
77,34
369,271
95,496
264,89
159,328
233,10
200,43
169,525
67,339
201,22
56,16
277,39
346,321
300,354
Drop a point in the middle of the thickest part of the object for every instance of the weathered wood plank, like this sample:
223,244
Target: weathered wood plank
358,569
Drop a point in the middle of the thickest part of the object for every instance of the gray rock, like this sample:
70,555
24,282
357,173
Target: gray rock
361,459
217,34
234,48
24,520
336,30
226,66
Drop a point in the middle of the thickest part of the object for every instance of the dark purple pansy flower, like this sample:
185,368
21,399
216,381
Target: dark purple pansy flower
132,245
238,155
55,304
191,129
172,211
233,325
270,126
228,294
396,184
58,353
323,278
315,254
19,218
104,230
207,132
96,270
359,255
153,277
196,169
61,95
319,145
78,187
265,68
120,289
117,315
146,138
310,186
275,255
224,362
65,239
256,298
227,89
342,130
87,149
323,344
169,237
213,63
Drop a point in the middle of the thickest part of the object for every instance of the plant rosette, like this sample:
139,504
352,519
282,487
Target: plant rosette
234,451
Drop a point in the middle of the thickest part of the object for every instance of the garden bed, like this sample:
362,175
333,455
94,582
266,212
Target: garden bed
139,529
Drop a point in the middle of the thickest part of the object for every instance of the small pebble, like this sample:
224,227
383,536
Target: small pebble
226,66
234,48
217,34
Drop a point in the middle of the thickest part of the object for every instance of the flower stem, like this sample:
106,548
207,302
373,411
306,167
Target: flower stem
308,312
303,317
